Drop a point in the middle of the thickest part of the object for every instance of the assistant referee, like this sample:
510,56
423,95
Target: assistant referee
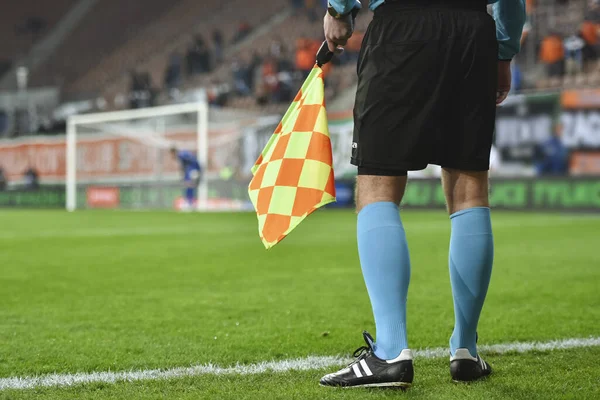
430,75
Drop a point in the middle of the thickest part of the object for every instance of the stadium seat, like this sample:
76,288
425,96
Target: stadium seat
108,25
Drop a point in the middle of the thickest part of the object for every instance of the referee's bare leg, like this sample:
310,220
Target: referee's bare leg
373,188
464,189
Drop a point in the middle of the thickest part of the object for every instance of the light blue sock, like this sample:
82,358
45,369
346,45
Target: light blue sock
471,258
385,264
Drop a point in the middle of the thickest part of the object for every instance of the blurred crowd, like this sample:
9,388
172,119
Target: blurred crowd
238,65
244,76
202,56
567,54
265,76
572,54
276,75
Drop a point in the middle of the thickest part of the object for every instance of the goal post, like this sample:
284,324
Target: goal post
104,139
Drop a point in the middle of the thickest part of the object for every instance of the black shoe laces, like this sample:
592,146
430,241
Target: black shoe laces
361,351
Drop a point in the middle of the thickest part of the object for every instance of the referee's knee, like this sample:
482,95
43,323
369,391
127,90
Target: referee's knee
465,189
374,188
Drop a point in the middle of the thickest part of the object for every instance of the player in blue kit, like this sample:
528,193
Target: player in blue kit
191,174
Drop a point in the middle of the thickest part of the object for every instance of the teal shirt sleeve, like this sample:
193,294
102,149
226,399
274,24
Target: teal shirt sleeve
342,6
510,17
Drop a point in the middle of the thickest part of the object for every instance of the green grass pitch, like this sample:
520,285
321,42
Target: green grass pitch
99,290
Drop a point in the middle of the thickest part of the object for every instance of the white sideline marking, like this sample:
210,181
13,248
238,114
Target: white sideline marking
299,364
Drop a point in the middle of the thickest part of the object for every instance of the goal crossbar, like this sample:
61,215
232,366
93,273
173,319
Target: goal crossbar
149,112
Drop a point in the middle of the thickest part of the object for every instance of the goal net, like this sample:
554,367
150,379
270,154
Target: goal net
124,159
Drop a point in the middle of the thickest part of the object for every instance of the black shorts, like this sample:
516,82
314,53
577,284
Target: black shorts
427,80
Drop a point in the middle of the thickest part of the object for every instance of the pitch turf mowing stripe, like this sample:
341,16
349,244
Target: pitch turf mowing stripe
427,226
300,364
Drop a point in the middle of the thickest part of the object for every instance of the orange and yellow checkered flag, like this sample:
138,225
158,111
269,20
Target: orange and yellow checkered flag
294,174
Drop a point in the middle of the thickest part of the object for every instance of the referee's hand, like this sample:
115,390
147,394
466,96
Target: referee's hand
337,31
504,78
